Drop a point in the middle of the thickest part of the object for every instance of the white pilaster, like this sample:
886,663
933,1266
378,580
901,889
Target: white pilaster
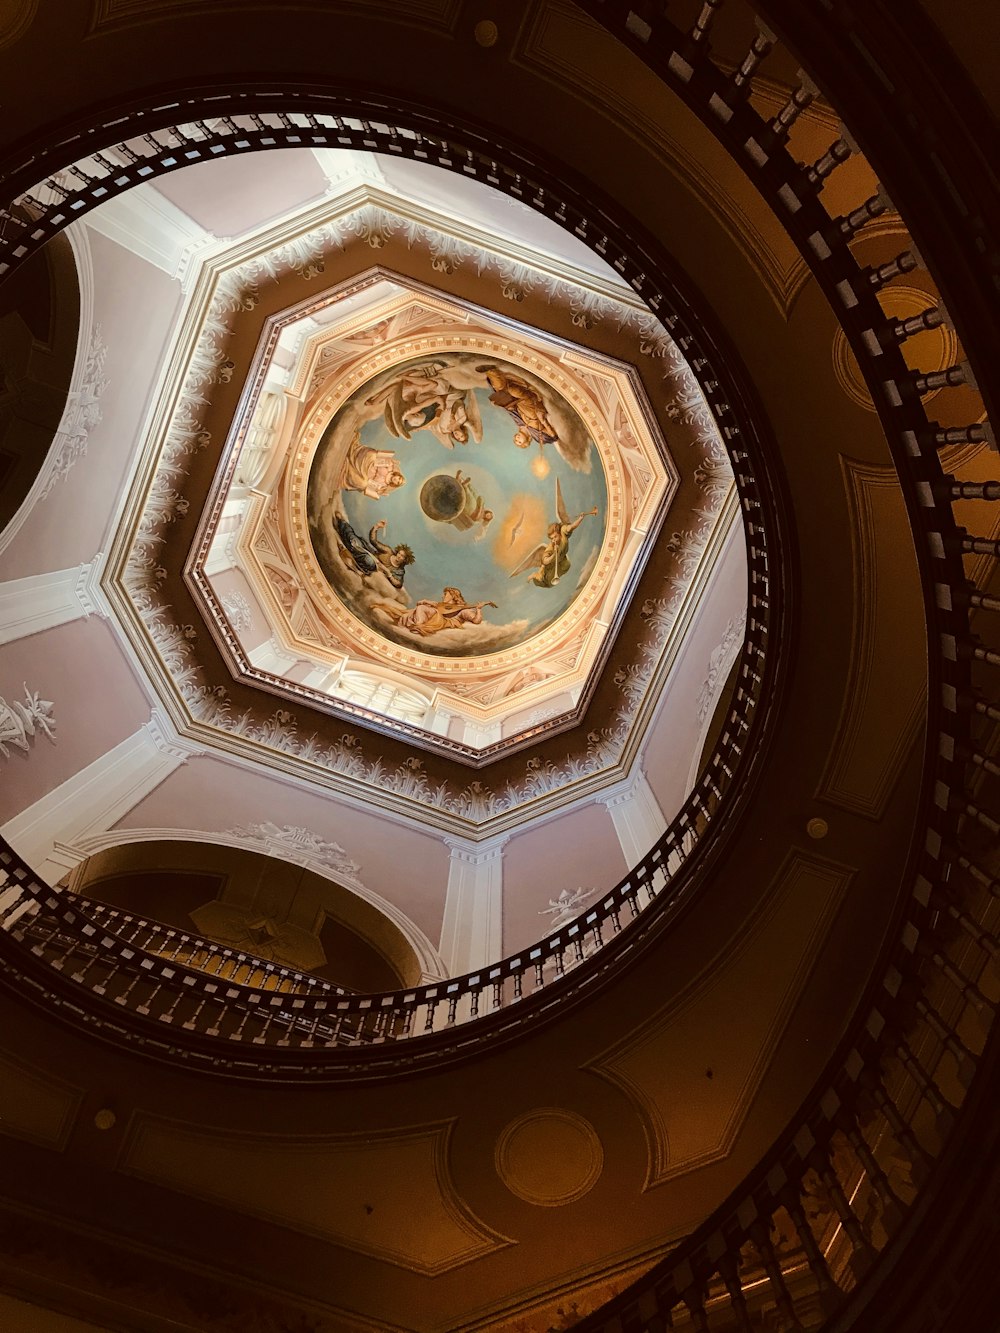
95,798
150,226
481,734
636,815
319,678
472,931
269,656
43,601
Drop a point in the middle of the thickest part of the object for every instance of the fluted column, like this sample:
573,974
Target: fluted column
636,815
472,930
94,799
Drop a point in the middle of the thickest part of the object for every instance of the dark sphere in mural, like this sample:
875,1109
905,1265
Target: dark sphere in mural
442,497
457,504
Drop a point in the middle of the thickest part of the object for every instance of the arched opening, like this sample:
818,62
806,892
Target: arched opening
259,905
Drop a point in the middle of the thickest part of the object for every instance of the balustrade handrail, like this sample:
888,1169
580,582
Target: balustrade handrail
103,914
396,1011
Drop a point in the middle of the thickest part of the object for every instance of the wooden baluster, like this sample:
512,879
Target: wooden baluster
982,546
964,1058
237,1033
988,942
909,328
167,1015
125,996
729,1271
802,97
694,1299
964,985
863,1251
263,1035
703,23
932,380
191,1024
829,1294
978,432
760,1235
150,999
759,49
838,152
892,1205
943,1112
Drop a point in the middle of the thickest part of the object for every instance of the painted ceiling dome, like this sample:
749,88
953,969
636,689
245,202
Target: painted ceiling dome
422,482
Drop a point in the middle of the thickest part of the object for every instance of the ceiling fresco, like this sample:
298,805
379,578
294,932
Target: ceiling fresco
457,505
254,614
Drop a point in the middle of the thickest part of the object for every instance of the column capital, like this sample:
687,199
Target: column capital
621,793
477,853
167,739
89,592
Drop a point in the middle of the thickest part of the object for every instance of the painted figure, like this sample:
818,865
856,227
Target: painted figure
372,555
427,617
422,398
373,472
550,560
474,510
525,405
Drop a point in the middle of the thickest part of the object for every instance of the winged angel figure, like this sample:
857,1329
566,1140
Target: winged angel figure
550,560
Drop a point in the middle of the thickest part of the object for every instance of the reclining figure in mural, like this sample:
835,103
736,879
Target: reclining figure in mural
374,472
427,617
525,405
372,555
422,398
550,560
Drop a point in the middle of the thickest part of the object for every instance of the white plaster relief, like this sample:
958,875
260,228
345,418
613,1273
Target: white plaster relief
237,608
720,664
81,415
19,722
294,843
568,905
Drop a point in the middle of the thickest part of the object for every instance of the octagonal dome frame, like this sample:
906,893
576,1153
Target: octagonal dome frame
564,661
166,650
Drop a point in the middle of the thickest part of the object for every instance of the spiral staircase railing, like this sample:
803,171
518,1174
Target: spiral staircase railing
793,1242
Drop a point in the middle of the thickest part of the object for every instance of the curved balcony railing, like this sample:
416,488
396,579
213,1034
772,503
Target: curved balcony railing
176,979
317,1028
793,1242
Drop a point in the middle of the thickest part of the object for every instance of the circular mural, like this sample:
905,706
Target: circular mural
456,504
